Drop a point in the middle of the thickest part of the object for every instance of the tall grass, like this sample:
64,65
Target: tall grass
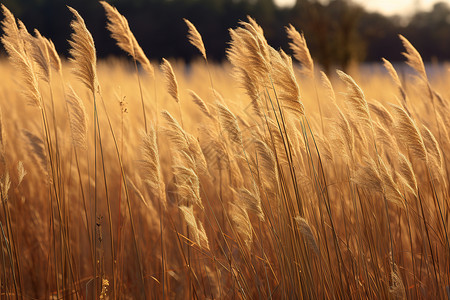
261,179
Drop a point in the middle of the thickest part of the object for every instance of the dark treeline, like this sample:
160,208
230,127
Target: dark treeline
337,32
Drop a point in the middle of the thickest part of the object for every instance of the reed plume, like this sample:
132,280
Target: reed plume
37,147
228,123
78,119
171,81
200,104
251,201
408,133
83,53
55,60
356,99
413,58
151,171
21,172
188,186
390,188
121,32
288,91
174,132
40,55
390,68
196,228
382,113
326,84
406,173
307,233
12,33
195,38
242,224
300,49
15,47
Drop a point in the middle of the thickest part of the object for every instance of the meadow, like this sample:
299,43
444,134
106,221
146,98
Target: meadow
258,178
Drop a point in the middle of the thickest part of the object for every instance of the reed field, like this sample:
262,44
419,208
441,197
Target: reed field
259,178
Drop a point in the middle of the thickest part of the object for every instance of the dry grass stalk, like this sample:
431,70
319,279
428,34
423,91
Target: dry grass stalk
188,186
300,49
382,113
307,233
368,176
13,41
390,188
432,146
171,81
200,104
249,51
328,87
288,91
229,124
408,133
390,68
356,99
397,288
78,119
252,201
21,172
55,60
121,32
195,38
406,173
83,53
242,224
150,165
196,228
175,133
37,147
413,58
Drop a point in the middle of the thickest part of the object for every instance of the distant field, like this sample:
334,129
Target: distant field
259,178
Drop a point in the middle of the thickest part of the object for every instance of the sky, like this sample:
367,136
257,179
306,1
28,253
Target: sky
387,7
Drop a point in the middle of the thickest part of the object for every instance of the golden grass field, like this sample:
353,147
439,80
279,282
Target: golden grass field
259,178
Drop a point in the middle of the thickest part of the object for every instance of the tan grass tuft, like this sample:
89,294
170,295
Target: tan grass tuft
368,176
432,146
171,81
390,188
242,224
413,58
328,87
55,60
121,32
150,165
188,186
252,201
408,133
307,233
229,124
406,173
21,172
300,49
37,147
11,31
174,132
83,53
287,89
356,99
200,104
390,68
397,288
78,119
195,38
195,226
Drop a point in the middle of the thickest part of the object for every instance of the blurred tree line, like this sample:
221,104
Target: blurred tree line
338,32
